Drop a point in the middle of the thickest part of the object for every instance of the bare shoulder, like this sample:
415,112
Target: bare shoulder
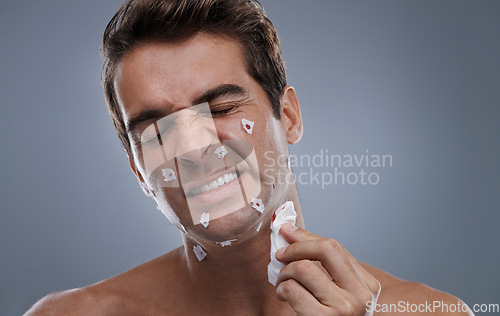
82,301
401,297
144,289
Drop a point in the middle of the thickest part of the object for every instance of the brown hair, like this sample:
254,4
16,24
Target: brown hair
171,21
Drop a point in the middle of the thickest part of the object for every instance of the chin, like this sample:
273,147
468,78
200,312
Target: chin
237,225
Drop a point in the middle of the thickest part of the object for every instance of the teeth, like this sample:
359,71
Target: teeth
204,188
220,181
212,185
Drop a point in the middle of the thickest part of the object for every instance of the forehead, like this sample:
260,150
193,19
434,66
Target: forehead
173,74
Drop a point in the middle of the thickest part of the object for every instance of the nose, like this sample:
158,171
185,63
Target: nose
192,137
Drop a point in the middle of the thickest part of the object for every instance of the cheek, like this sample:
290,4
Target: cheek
231,127
269,138
242,145
252,127
272,151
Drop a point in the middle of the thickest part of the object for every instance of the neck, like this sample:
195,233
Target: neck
237,273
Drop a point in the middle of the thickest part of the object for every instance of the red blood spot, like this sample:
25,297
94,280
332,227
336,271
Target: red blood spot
274,217
258,204
247,126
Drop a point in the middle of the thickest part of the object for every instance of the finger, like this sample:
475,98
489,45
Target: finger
301,301
331,255
311,277
371,282
293,233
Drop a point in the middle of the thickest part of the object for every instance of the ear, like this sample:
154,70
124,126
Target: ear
291,119
139,177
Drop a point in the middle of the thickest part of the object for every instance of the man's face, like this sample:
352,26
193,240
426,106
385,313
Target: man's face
199,91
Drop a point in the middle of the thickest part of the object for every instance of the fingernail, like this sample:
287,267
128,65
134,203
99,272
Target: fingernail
290,227
280,251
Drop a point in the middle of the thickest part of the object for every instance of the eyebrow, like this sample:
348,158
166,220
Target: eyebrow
142,117
222,90
212,94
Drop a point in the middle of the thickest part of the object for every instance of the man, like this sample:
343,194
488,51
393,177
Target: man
198,95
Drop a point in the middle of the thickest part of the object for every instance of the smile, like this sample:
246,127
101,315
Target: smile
220,181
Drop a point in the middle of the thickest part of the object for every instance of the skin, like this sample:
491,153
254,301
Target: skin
320,278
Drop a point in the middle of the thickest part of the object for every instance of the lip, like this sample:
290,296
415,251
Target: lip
190,186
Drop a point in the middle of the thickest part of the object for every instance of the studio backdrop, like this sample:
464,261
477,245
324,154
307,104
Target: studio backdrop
399,160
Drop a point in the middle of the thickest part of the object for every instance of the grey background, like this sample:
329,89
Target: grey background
418,80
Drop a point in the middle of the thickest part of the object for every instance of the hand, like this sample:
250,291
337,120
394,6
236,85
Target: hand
321,277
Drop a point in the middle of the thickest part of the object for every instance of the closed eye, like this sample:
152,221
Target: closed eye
154,136
222,110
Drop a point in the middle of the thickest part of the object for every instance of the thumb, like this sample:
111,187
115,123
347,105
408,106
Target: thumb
292,233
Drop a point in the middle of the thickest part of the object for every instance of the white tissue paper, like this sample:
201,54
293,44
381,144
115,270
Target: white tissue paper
205,219
199,252
258,205
284,214
247,125
168,175
221,152
226,243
